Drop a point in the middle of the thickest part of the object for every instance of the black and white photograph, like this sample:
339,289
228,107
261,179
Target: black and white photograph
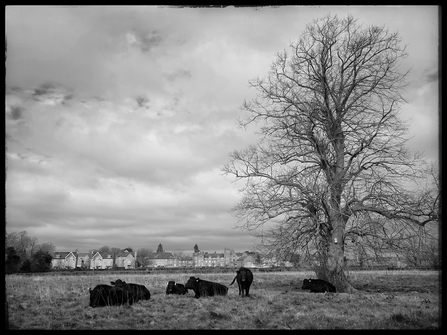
222,167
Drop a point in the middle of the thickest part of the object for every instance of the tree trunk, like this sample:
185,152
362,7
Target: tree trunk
335,264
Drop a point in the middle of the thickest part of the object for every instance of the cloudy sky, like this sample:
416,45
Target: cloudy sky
118,119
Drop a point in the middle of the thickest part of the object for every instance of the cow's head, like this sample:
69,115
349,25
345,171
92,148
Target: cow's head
245,274
192,283
306,284
118,283
170,286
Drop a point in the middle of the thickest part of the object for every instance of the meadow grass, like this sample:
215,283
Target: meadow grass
384,300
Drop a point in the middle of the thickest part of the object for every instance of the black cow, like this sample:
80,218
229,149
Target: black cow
244,278
318,285
137,292
175,288
205,288
106,295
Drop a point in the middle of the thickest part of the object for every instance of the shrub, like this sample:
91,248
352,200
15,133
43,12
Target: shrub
41,261
12,261
26,266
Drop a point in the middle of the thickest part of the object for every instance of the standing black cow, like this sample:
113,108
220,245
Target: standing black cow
136,291
318,285
205,288
175,288
244,278
106,295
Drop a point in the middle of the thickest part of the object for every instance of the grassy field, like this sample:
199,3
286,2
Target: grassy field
384,300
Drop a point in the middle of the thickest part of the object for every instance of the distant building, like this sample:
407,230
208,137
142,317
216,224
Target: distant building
64,260
248,260
204,258
126,259
230,257
101,260
165,259
186,261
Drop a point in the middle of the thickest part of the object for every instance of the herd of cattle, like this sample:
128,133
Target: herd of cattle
120,292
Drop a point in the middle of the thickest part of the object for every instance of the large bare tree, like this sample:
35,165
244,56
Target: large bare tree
331,162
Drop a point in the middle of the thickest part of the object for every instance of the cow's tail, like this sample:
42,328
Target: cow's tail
233,281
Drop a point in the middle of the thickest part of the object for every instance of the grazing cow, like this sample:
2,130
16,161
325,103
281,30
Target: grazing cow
244,278
106,295
318,285
136,291
175,288
205,288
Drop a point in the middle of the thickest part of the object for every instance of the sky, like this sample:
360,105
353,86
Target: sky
119,119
